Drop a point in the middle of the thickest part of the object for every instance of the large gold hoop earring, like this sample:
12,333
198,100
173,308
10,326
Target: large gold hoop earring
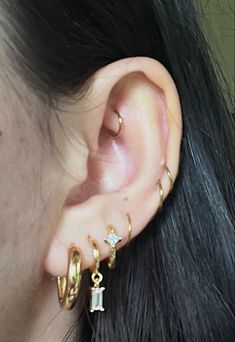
68,286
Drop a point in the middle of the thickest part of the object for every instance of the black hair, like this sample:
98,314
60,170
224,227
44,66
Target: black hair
175,281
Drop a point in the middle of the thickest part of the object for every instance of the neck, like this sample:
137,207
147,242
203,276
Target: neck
48,321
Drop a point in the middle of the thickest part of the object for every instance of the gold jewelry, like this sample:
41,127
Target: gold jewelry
96,291
170,178
112,239
120,121
68,286
129,228
161,191
161,194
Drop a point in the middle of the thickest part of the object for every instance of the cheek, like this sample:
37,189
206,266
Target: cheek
29,197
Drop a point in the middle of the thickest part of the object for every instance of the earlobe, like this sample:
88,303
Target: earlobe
124,169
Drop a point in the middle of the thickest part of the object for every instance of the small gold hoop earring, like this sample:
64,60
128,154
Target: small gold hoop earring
170,178
68,286
120,122
161,194
129,228
96,291
112,239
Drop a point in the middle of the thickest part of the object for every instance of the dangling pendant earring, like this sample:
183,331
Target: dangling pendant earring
96,291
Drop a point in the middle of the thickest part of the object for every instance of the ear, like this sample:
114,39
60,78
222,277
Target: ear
118,177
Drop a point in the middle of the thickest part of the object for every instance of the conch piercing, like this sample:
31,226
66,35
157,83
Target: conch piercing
161,191
96,291
112,239
120,122
68,286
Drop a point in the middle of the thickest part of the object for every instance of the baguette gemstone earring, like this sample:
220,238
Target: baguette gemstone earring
96,291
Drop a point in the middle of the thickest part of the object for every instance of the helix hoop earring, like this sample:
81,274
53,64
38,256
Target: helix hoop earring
161,191
68,286
129,228
170,177
120,122
161,194
96,303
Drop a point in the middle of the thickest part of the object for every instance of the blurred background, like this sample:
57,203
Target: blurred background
219,27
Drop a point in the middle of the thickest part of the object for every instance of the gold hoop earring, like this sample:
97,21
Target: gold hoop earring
68,286
129,228
120,122
112,239
161,194
161,191
96,291
170,178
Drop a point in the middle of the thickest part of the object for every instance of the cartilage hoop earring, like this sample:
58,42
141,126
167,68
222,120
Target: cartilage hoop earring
120,122
112,239
68,286
161,194
96,291
170,178
129,228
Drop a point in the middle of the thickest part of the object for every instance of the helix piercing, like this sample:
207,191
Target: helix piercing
161,191
120,121
68,286
161,194
170,177
129,228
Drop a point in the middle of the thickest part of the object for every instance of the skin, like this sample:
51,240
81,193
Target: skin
48,194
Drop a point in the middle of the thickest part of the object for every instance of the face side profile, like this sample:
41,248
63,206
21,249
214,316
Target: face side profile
111,146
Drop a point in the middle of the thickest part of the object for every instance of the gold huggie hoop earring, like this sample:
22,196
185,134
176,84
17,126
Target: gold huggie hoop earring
120,121
161,194
112,239
129,228
170,177
96,291
68,286
161,191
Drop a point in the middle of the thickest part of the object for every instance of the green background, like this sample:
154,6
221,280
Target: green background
219,27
